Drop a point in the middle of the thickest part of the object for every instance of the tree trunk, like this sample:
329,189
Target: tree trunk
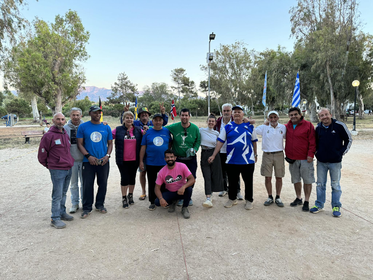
58,108
35,111
312,111
338,110
361,107
332,101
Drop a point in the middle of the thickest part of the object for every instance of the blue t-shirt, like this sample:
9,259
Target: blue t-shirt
95,137
156,142
239,139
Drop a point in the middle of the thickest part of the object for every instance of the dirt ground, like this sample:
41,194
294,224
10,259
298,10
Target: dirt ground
217,243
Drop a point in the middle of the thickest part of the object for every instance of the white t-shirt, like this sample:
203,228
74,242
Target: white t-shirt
223,149
272,137
208,137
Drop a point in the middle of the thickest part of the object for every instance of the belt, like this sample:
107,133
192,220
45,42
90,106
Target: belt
271,153
207,148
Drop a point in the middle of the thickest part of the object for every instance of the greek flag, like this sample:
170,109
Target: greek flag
265,91
296,96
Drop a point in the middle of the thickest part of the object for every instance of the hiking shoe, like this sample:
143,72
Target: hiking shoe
337,212
296,202
207,203
125,203
249,205
85,214
74,208
130,199
171,207
306,207
316,209
268,202
239,196
230,203
151,207
58,224
66,217
185,212
223,193
102,210
278,202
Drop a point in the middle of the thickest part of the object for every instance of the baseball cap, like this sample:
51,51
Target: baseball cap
94,108
272,112
157,115
238,107
144,109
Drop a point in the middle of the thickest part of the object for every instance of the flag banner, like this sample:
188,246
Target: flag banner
264,91
136,109
296,96
173,110
99,105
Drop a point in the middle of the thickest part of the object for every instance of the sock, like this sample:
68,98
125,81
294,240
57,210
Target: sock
277,196
130,194
124,197
208,198
270,196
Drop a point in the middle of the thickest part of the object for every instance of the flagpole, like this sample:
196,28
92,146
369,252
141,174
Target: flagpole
264,95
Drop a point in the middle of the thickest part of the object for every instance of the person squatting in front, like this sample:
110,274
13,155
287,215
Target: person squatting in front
178,181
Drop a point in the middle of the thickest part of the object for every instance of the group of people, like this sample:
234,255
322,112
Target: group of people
80,151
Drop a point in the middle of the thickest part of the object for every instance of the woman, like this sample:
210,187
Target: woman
211,171
154,143
127,148
241,155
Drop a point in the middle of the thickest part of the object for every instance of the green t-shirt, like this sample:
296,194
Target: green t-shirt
184,139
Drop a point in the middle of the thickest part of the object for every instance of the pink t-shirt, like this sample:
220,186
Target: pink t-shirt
129,146
173,178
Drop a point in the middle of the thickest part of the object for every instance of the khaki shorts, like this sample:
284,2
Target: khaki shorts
301,169
272,162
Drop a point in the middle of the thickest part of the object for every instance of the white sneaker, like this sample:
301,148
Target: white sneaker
239,196
223,193
230,203
207,203
248,205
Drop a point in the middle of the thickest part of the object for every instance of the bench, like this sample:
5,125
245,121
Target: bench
31,133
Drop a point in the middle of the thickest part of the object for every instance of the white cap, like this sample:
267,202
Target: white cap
272,112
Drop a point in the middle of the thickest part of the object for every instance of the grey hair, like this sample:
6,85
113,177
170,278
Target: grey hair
76,109
227,105
127,113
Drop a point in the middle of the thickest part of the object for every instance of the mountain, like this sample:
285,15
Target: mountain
93,93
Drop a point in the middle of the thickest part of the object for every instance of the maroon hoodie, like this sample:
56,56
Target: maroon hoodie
54,150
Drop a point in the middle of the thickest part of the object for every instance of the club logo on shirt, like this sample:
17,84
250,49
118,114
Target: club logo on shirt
170,180
96,136
158,141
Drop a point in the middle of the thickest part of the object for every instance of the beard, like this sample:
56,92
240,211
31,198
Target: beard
171,163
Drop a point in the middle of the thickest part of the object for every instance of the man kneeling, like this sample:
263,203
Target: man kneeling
178,180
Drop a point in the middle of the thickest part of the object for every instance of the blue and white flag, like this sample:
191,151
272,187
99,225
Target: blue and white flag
296,96
265,90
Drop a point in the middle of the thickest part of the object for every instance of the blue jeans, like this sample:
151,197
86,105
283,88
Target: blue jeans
61,181
335,176
76,176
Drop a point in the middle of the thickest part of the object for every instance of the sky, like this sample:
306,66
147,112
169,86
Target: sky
148,39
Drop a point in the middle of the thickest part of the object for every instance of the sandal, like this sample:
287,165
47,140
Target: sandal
142,197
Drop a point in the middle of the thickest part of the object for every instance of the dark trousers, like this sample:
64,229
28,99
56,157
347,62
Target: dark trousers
211,172
89,173
170,197
192,166
223,159
151,172
247,172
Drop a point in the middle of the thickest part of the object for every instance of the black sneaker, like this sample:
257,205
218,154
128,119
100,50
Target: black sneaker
306,207
130,199
296,202
125,203
151,207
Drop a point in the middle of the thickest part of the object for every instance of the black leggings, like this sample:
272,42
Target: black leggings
128,172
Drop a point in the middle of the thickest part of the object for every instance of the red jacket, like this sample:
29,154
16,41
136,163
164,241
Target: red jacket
54,150
300,142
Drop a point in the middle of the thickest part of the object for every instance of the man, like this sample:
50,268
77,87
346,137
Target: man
153,145
333,141
145,123
299,149
186,142
178,180
221,122
54,154
46,129
273,136
76,171
95,141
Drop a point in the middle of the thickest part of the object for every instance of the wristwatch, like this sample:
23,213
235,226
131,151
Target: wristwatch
87,155
108,155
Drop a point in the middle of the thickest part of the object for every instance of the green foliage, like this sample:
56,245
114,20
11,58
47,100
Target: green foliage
43,109
83,104
2,98
185,85
19,106
123,91
3,111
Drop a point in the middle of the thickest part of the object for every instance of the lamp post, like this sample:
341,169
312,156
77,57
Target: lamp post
355,84
210,57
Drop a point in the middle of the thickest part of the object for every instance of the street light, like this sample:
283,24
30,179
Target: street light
210,57
355,84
